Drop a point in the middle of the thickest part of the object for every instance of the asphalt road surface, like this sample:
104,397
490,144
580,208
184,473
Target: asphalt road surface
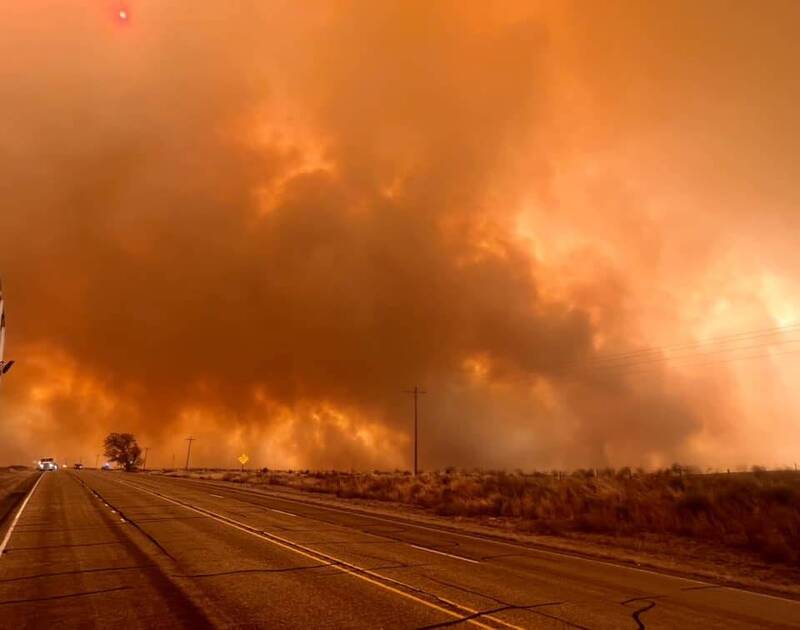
107,550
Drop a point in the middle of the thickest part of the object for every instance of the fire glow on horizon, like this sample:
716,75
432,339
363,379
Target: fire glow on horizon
333,202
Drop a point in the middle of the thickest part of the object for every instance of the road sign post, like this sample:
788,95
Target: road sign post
243,459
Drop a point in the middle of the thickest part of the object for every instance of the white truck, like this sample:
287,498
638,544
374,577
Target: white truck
47,463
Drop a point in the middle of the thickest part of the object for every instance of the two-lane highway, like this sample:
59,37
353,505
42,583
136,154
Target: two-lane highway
97,548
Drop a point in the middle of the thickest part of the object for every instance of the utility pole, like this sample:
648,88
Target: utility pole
190,439
416,392
144,464
96,460
173,461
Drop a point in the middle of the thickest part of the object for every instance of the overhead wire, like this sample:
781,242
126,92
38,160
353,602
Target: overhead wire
733,338
621,363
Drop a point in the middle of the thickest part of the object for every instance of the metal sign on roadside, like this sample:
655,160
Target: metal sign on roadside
243,459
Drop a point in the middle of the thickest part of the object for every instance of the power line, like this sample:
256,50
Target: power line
622,363
693,355
725,360
732,338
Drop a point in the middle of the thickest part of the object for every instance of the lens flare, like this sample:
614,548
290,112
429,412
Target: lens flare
123,15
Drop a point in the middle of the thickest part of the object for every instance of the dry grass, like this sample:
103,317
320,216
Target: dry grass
757,511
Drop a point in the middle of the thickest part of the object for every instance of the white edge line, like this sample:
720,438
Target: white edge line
340,564
18,514
219,496
282,512
443,553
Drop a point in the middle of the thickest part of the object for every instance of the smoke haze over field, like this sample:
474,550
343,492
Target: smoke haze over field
260,222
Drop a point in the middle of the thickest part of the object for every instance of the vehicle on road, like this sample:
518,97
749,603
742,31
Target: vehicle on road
106,466
78,466
47,463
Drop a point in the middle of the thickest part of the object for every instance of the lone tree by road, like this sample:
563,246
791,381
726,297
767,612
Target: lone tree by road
123,449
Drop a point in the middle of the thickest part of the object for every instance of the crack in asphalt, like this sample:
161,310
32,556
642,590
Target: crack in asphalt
302,530
506,605
66,596
378,530
353,542
466,590
49,530
370,556
167,518
96,544
504,555
637,614
77,572
395,567
128,519
494,611
248,571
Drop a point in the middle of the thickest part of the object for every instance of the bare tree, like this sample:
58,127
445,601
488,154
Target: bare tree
123,449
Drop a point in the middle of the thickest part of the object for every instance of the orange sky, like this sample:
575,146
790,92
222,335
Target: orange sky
260,222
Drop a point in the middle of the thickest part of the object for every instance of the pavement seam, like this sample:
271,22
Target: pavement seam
493,611
508,605
245,571
78,572
66,596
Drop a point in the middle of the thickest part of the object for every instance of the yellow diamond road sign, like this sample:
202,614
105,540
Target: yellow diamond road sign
243,459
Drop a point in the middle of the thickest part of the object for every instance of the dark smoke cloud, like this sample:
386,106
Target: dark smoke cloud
260,224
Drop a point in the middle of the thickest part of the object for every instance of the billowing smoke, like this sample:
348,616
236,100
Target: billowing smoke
260,223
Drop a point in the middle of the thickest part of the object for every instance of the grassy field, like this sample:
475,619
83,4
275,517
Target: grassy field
756,511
